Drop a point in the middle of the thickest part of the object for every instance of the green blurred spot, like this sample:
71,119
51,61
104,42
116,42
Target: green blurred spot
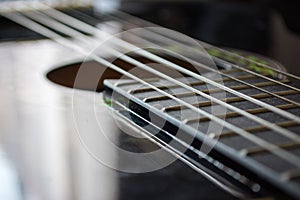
108,102
214,52
251,62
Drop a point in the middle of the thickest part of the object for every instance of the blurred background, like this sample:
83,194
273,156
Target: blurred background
60,168
267,27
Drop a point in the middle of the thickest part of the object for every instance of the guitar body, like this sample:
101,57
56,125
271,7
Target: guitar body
68,137
40,136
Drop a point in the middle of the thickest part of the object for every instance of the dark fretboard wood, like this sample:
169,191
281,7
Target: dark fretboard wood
147,99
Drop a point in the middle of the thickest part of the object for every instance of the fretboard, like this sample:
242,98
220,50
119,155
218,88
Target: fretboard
243,161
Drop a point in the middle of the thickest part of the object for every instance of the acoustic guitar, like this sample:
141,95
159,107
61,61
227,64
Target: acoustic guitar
141,98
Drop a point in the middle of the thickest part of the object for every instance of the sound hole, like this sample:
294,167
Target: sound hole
66,76
83,75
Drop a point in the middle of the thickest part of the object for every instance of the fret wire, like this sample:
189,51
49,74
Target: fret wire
258,150
22,20
234,114
228,100
65,18
210,46
130,82
258,128
141,90
280,130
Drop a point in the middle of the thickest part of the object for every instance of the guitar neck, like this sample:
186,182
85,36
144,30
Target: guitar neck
241,162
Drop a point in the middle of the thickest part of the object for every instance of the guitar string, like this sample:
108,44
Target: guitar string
242,69
193,62
164,39
91,30
6,7
211,46
66,30
229,171
285,132
22,20
71,21
231,64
